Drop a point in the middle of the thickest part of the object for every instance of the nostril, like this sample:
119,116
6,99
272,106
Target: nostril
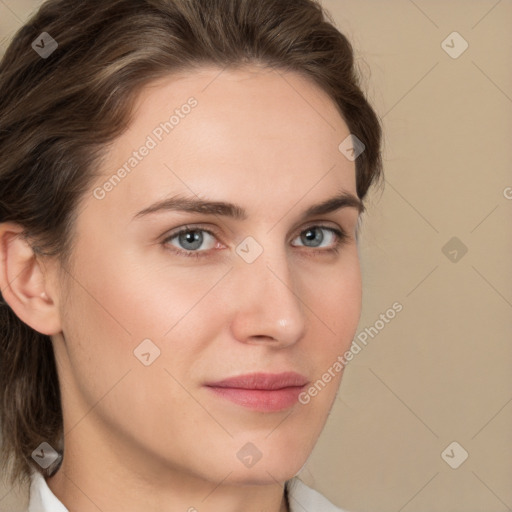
263,337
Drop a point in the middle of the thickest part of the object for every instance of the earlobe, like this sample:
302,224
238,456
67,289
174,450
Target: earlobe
23,282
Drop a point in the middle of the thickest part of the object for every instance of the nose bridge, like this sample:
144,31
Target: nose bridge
271,307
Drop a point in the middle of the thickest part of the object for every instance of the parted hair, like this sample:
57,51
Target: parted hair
58,113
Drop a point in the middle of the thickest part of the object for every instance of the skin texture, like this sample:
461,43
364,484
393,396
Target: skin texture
153,437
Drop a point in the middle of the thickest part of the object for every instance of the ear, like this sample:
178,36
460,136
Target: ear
24,282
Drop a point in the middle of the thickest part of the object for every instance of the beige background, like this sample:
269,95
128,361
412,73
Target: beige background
440,371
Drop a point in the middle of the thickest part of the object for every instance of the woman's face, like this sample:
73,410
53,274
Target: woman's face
150,317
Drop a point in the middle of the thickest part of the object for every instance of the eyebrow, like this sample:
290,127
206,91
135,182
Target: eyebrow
225,209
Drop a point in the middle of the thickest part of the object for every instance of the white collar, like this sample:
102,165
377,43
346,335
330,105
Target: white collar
42,498
301,497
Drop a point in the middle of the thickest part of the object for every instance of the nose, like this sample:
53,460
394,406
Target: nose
268,307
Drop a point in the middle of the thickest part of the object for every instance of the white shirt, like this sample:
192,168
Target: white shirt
301,497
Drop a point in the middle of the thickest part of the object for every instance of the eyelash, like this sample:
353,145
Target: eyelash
340,234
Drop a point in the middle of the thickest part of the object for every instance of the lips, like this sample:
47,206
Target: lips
263,392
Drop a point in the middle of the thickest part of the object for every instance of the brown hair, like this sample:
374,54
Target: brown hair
58,112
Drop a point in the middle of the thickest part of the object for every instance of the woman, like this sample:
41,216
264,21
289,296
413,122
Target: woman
180,195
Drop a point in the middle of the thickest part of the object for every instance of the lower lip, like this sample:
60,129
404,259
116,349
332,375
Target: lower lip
260,399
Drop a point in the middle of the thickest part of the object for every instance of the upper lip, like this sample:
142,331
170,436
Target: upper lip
269,381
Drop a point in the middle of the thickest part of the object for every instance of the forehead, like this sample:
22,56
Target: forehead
234,132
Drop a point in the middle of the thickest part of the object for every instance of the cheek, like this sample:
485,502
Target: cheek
334,297
114,304
335,303
118,301
346,310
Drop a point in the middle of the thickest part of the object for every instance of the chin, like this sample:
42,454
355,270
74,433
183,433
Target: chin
263,476
278,470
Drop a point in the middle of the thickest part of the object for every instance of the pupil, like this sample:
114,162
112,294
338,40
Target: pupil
191,239
313,237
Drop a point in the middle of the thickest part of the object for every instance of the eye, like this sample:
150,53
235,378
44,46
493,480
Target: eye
192,240
321,236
